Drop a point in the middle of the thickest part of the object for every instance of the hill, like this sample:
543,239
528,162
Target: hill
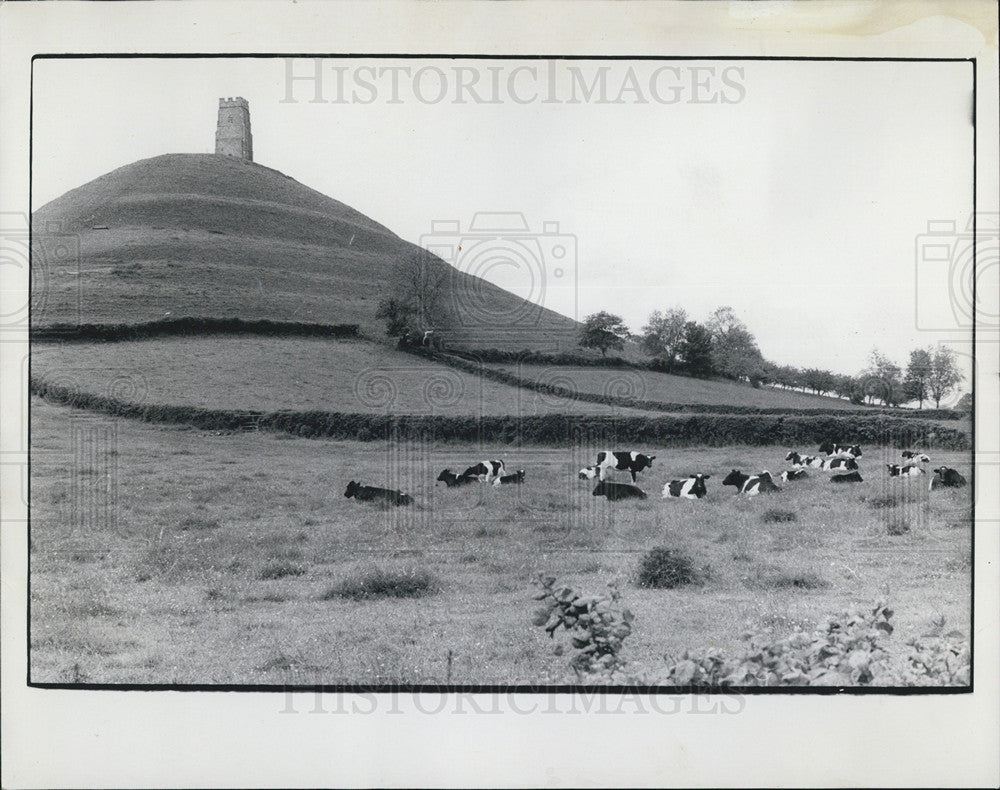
207,235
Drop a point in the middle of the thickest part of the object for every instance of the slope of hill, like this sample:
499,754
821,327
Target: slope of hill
207,235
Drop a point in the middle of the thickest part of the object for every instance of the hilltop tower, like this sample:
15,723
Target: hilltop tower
232,135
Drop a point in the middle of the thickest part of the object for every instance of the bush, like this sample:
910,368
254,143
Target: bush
188,325
383,583
851,649
663,567
778,516
597,630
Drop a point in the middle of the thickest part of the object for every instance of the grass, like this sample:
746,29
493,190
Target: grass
385,583
778,516
667,388
294,373
188,605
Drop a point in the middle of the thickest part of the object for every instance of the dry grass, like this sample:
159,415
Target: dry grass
157,603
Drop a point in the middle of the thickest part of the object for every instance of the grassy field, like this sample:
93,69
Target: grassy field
666,388
171,555
295,373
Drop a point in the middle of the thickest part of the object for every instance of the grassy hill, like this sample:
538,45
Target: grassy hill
207,235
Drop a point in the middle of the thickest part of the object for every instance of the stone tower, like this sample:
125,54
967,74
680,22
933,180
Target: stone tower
232,136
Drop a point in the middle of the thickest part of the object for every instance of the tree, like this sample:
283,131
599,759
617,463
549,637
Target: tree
964,403
819,381
418,296
945,375
663,335
918,374
397,316
695,351
883,380
603,331
734,348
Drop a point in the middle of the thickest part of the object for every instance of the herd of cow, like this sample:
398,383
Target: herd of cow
841,459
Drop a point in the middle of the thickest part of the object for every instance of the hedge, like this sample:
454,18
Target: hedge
467,362
552,429
188,325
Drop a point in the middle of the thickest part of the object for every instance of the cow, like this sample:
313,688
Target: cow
589,472
451,480
946,477
804,460
630,462
517,478
373,494
840,464
913,455
616,491
691,488
485,471
907,470
834,450
794,474
751,485
853,477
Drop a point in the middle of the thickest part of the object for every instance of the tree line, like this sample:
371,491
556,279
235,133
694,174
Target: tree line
724,346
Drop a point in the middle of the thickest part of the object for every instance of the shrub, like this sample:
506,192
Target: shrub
664,567
383,583
597,630
851,649
778,516
279,570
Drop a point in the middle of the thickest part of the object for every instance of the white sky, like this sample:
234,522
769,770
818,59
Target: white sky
799,202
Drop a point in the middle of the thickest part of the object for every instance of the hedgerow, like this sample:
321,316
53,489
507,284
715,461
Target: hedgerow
188,325
715,430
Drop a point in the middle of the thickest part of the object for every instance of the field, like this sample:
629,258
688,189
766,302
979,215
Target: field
171,555
667,388
297,373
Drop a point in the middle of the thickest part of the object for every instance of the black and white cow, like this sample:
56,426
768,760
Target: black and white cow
834,450
751,485
853,477
373,494
914,455
946,477
589,472
690,488
630,462
451,480
616,491
794,474
517,478
804,460
840,464
485,471
907,470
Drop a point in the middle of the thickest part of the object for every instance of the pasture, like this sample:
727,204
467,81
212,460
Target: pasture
297,373
163,554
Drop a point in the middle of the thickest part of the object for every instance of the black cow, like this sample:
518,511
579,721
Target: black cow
373,494
804,460
751,485
690,488
833,449
485,471
451,480
616,491
840,465
516,478
908,470
853,477
794,474
946,477
630,462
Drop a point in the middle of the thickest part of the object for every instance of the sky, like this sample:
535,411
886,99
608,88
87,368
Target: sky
798,193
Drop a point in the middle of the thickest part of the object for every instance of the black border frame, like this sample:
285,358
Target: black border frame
540,688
